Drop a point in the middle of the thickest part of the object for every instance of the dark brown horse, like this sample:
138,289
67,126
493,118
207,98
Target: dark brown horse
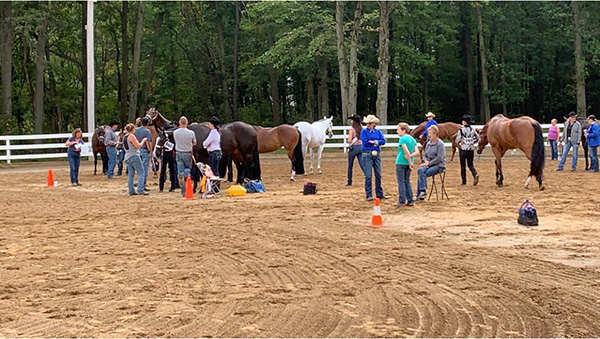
448,130
239,141
98,147
286,136
523,133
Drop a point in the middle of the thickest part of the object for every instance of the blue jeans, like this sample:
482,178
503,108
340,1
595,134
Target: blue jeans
354,152
372,164
566,149
120,158
594,156
112,160
74,161
145,156
213,161
554,149
134,164
184,166
423,174
405,193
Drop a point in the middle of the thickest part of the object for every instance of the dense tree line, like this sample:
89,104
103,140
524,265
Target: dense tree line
274,62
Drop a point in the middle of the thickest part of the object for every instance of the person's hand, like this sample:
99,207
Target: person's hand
411,166
372,142
426,163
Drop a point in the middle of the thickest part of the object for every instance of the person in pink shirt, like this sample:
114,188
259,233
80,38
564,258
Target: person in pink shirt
553,134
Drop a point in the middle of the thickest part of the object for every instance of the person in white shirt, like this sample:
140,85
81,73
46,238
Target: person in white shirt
185,140
213,145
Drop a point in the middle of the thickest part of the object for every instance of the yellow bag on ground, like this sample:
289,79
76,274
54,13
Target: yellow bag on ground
236,191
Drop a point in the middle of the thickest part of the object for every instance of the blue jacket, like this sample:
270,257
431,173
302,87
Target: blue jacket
593,135
427,125
375,135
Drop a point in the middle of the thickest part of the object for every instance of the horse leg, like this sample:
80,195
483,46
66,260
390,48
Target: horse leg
310,170
319,159
291,157
499,176
454,147
95,162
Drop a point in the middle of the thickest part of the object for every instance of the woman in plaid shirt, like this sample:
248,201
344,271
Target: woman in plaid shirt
466,138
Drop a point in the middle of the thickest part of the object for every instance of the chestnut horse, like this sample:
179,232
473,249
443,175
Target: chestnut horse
286,136
523,133
157,120
98,147
448,130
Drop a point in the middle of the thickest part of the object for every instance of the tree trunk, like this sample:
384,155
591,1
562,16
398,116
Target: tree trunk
124,63
310,97
425,94
236,52
353,85
224,83
274,85
579,62
56,116
383,58
485,101
468,50
6,50
38,103
323,91
150,65
137,49
342,61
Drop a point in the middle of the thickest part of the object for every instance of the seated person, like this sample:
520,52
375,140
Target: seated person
434,161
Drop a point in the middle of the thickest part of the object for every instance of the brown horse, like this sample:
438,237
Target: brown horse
523,133
448,130
98,147
286,136
157,120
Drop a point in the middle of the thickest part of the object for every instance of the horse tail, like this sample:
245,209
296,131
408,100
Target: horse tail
298,157
537,152
256,163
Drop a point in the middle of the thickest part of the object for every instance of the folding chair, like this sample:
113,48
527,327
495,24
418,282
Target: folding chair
210,184
442,177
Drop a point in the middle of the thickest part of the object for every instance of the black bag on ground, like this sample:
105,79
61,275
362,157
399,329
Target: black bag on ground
527,214
310,188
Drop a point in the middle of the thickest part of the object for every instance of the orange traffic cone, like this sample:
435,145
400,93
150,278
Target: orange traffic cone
50,182
189,190
376,221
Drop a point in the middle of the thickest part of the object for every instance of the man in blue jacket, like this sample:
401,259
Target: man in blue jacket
372,140
593,141
430,122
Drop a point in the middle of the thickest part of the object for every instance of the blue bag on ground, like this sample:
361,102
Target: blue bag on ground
255,186
527,214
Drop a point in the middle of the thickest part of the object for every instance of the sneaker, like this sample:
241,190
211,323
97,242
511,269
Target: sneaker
130,194
348,184
558,169
384,197
181,181
79,184
421,196
369,198
410,204
476,180
74,184
573,169
143,193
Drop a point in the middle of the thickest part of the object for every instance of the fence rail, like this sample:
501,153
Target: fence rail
58,149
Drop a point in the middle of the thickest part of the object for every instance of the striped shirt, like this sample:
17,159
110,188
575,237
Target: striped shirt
467,137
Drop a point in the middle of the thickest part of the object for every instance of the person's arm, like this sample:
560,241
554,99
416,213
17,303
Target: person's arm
209,140
134,141
70,142
381,140
350,135
406,153
363,137
594,131
194,140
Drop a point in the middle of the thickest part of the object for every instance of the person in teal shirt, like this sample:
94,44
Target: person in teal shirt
407,150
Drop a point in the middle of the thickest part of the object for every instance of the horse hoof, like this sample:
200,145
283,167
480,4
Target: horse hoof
292,179
320,172
542,188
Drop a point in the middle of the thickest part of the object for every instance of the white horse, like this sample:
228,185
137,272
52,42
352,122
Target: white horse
313,137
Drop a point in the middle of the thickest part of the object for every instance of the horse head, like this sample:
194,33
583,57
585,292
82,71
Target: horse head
152,113
100,133
329,129
483,141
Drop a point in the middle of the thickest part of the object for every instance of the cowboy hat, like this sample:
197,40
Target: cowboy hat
572,114
592,117
467,118
370,119
355,117
215,121
429,114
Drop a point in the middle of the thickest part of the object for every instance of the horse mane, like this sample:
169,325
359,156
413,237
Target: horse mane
418,130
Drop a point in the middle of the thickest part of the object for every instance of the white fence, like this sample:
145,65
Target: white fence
11,150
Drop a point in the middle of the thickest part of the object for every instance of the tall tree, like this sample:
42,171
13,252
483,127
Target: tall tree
341,52
274,86
38,103
150,65
124,63
465,18
485,100
353,83
222,63
348,69
236,56
6,50
383,59
323,91
137,50
579,62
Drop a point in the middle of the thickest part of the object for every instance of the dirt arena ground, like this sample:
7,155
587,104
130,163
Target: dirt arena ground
92,261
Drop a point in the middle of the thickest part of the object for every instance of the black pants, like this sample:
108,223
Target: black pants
466,159
168,160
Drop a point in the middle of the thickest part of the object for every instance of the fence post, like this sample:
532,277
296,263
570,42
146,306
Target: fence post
345,140
8,151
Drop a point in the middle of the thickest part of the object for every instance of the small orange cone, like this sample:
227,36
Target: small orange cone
376,221
50,182
189,190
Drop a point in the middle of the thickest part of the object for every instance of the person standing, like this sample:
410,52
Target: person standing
593,141
185,140
212,144
571,137
133,160
466,138
372,140
407,150
74,144
355,149
168,162
553,133
111,141
430,122
121,153
141,133
434,161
